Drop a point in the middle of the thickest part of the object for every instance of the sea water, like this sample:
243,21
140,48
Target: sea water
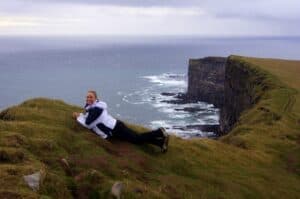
129,73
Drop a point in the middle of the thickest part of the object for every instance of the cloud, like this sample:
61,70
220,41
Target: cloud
131,3
100,19
151,17
17,22
260,10
152,11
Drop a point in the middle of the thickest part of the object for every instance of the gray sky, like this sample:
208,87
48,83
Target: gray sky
150,17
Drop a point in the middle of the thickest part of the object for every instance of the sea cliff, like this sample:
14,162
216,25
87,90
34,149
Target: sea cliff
231,84
243,87
206,80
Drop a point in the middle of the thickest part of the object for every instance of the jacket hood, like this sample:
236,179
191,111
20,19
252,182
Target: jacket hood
98,103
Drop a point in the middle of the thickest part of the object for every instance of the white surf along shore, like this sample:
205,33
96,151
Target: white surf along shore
180,119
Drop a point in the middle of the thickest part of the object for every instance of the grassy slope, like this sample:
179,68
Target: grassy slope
258,159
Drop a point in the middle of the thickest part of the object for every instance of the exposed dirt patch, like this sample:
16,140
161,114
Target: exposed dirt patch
293,162
9,195
90,162
11,155
127,151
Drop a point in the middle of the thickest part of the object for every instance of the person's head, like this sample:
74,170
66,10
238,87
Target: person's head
91,97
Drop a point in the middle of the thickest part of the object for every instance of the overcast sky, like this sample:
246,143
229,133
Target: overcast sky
150,17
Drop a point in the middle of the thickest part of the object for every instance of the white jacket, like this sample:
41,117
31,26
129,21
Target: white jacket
104,119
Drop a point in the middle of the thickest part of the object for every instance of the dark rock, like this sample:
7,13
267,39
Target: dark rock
178,98
181,96
175,101
206,128
168,94
190,109
240,91
206,80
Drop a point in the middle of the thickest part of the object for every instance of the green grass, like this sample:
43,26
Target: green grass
259,158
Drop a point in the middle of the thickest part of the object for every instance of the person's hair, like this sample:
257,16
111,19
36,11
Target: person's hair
94,93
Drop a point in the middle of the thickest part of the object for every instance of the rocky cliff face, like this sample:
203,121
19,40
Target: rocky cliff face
241,91
229,83
206,80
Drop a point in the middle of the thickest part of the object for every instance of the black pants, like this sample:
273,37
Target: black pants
121,131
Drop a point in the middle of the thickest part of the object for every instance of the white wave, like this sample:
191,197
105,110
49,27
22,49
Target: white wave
200,121
127,99
179,116
138,97
213,117
168,79
160,123
176,116
177,130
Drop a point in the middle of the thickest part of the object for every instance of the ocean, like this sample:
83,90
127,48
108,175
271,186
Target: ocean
129,73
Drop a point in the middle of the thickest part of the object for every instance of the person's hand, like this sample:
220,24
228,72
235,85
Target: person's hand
75,115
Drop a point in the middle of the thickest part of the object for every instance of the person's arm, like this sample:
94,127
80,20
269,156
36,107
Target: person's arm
94,113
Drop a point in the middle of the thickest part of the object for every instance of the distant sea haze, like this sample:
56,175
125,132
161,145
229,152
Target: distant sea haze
129,73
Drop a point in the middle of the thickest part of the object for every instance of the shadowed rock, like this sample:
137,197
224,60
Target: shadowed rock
206,80
116,189
66,166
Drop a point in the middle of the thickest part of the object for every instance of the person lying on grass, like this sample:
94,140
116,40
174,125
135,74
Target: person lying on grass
97,119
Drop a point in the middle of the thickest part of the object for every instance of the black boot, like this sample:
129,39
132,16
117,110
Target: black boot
165,143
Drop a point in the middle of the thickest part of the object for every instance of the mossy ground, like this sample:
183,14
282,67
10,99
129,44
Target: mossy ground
260,158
